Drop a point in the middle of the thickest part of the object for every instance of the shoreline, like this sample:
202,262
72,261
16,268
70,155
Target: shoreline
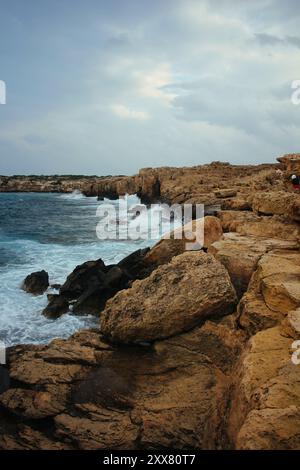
197,350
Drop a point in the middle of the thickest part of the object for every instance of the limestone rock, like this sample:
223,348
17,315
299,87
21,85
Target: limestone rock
223,193
254,315
249,224
278,275
173,299
265,407
277,203
198,234
290,163
174,396
290,326
240,255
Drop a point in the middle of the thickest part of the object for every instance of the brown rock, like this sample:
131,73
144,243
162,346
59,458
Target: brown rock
249,224
277,203
223,193
36,283
175,298
290,326
240,255
265,407
254,315
206,231
33,404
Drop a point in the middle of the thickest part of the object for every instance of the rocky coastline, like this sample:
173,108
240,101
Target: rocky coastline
194,348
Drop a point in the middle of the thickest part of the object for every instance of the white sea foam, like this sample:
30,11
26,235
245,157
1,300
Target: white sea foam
21,320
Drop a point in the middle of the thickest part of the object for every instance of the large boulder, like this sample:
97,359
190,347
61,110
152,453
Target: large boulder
36,283
173,299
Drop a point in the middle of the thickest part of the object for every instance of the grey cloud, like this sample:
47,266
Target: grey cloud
271,40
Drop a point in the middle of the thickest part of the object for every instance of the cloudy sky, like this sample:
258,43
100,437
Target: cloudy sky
110,86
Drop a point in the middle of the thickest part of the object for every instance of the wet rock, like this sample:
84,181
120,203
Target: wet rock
57,306
93,300
134,265
173,299
4,379
36,283
83,276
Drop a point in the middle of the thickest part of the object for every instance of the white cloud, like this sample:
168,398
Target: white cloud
126,113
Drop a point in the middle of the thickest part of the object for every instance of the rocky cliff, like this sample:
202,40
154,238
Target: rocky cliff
196,353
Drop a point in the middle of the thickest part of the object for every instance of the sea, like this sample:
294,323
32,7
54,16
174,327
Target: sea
54,232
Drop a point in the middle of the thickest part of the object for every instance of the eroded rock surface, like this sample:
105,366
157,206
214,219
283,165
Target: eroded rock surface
182,364
174,298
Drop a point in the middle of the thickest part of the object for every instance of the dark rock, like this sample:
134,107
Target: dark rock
56,286
91,284
4,379
93,300
82,278
36,283
134,264
58,305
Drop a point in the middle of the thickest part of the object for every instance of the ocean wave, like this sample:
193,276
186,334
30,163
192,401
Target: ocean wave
77,194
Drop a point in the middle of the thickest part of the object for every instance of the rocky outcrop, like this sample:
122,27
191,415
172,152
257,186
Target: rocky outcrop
195,351
36,283
87,289
217,182
96,396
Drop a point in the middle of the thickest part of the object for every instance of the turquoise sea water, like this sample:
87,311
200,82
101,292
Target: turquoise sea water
54,232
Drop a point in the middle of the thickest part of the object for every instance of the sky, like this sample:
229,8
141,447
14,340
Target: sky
108,87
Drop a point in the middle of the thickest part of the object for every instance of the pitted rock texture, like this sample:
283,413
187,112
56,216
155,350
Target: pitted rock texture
173,299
